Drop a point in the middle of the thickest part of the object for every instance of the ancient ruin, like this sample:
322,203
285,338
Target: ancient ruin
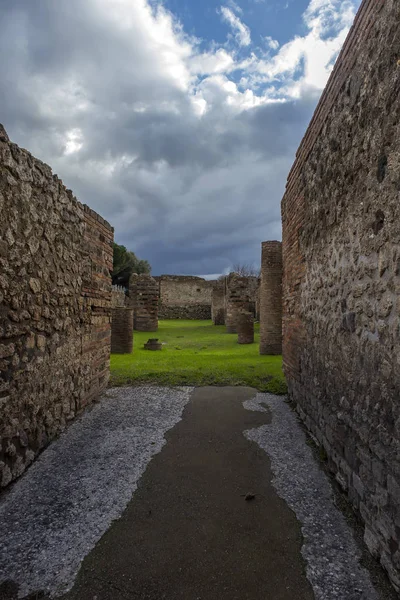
245,327
237,294
118,296
184,297
271,298
143,298
55,306
121,330
218,303
341,284
153,344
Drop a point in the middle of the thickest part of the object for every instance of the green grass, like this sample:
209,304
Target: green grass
197,353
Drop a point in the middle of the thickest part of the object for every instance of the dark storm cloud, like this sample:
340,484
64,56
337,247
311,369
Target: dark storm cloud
193,194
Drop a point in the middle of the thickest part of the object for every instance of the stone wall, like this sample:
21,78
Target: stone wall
184,297
55,294
271,298
118,296
341,286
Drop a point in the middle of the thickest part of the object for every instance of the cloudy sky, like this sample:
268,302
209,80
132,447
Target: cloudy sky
177,121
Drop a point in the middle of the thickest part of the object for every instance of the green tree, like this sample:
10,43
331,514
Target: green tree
125,263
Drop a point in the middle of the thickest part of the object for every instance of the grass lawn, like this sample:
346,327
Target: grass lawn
197,353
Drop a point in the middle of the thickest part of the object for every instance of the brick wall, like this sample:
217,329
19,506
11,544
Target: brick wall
341,283
55,292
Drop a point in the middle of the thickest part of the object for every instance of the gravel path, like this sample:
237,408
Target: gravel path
329,549
54,515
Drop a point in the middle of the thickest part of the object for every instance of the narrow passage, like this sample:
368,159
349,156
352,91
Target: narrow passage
189,532
144,498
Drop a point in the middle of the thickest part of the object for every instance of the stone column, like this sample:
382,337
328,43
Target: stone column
245,327
271,298
121,330
145,292
218,304
237,298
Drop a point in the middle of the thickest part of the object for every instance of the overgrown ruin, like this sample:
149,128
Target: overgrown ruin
341,284
55,307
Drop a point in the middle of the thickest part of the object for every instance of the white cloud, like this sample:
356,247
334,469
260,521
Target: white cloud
271,43
306,62
73,141
242,32
212,62
235,6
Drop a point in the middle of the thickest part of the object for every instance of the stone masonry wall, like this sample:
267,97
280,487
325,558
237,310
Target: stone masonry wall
341,285
55,294
118,296
184,297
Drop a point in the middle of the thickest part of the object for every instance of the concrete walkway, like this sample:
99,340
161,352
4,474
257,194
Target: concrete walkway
147,497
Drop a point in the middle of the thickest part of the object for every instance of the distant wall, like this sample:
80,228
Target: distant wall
184,297
55,296
341,283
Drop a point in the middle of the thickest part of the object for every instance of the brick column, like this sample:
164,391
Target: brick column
121,330
245,327
146,293
218,304
237,298
271,298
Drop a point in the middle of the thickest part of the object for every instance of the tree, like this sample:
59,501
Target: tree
246,270
125,263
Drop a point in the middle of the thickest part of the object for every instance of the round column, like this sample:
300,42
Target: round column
271,298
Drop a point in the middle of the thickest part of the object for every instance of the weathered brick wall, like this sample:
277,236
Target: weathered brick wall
271,298
341,287
55,292
184,297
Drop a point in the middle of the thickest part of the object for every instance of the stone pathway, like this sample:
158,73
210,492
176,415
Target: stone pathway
144,497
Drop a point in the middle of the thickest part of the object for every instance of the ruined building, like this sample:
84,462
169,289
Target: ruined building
184,297
55,306
341,282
